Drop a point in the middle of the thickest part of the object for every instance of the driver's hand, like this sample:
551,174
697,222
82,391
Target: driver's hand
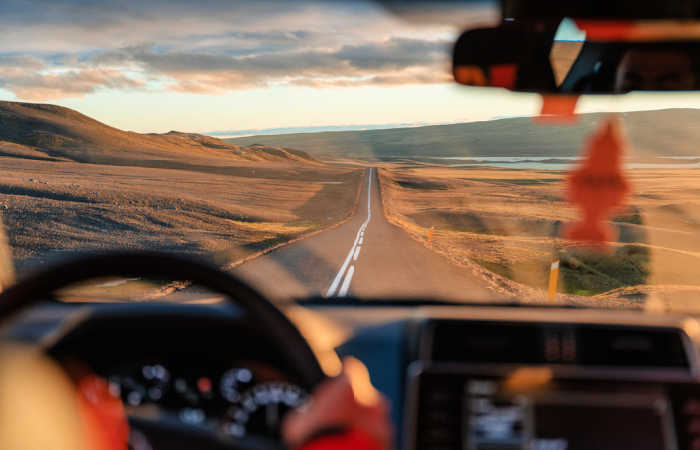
347,402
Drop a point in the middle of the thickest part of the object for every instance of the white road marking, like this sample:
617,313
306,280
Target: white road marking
361,239
339,276
346,283
357,252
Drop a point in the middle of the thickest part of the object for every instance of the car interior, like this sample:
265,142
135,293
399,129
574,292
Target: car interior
214,361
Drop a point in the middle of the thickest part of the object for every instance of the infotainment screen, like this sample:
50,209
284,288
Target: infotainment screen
561,419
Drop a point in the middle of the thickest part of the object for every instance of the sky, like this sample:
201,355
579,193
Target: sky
227,67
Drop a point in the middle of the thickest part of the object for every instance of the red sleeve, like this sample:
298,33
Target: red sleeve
104,418
352,440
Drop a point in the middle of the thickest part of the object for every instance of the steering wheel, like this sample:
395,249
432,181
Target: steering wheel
263,314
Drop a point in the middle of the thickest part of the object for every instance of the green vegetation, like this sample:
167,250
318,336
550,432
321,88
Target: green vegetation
590,273
583,272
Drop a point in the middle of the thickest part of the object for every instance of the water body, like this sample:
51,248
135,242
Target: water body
564,162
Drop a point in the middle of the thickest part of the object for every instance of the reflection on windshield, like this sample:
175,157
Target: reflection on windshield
120,290
654,70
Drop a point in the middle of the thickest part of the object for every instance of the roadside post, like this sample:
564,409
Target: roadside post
553,278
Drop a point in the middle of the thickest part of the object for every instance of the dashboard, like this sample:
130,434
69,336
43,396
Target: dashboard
462,377
541,379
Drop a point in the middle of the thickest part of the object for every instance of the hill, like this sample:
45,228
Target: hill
70,184
50,132
661,132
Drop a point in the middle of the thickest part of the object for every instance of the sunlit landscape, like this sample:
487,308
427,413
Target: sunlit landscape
74,185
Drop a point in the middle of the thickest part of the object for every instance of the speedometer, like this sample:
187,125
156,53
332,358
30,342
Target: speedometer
262,408
233,382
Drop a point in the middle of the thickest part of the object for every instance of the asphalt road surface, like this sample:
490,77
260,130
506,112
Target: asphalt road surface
364,257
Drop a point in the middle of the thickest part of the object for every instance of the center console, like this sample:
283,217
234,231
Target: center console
489,408
644,395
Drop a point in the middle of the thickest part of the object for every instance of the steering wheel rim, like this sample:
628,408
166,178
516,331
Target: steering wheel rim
273,323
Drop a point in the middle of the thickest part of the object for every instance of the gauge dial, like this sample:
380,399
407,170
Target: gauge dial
262,408
233,382
148,385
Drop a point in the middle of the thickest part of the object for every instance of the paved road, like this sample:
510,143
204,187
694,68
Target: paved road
365,257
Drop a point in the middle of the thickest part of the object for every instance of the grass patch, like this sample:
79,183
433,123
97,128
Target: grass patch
495,267
584,273
457,221
268,227
635,219
469,222
422,185
264,244
589,273
516,181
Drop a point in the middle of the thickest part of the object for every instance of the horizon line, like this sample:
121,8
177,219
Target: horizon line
339,128
235,134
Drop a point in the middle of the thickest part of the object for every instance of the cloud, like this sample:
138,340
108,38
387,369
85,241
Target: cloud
395,53
390,62
82,25
30,78
67,48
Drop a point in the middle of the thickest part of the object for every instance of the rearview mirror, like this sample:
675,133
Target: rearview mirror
613,58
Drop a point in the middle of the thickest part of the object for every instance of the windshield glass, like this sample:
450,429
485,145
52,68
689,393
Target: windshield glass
323,150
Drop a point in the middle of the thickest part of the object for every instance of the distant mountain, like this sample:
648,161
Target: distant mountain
40,131
669,132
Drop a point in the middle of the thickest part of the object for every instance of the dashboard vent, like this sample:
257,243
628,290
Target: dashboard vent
485,342
631,347
539,343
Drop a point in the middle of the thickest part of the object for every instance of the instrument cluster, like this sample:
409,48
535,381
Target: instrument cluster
245,398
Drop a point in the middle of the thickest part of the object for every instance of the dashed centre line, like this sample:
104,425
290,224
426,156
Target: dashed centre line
354,250
346,283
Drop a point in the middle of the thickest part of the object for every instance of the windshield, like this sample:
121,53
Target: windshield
323,150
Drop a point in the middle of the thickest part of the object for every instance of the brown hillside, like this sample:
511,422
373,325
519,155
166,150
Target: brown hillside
40,131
